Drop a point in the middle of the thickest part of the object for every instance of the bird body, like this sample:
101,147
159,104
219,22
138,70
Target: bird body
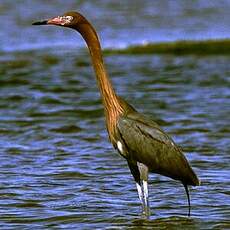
140,140
147,143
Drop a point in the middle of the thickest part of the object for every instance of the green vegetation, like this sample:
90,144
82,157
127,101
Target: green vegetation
205,47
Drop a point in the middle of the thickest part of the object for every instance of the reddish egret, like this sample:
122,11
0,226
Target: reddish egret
140,140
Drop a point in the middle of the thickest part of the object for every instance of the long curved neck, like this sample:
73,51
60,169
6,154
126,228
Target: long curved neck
112,104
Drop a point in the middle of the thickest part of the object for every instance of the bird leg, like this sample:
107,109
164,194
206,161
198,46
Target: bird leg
142,188
140,193
146,196
140,174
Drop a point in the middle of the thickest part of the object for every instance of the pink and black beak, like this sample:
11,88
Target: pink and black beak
60,21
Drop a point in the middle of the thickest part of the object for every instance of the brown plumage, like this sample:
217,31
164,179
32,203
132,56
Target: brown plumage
145,146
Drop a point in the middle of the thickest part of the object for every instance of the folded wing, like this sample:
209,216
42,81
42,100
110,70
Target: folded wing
147,143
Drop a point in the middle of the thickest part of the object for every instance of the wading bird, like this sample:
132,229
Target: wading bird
140,140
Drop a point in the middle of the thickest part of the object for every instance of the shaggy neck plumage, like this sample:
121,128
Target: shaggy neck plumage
112,104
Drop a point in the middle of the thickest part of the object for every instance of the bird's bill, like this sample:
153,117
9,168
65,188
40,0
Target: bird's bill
40,23
60,21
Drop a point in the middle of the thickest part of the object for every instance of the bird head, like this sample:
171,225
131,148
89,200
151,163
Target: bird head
68,19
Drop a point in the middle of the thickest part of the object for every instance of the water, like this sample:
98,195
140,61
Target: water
119,24
58,169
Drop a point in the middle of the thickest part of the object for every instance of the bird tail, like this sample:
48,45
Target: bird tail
195,181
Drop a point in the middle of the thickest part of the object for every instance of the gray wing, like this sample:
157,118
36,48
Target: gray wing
147,143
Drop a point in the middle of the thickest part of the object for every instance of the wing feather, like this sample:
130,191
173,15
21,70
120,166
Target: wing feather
147,143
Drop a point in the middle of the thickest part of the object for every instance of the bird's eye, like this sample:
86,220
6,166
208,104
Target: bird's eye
65,19
68,18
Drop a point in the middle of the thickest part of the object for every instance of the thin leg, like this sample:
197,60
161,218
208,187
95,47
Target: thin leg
146,197
140,193
140,174
144,188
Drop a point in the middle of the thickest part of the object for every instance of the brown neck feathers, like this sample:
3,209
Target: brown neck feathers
112,104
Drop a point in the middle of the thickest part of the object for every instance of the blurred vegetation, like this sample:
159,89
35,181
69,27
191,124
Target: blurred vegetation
206,47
